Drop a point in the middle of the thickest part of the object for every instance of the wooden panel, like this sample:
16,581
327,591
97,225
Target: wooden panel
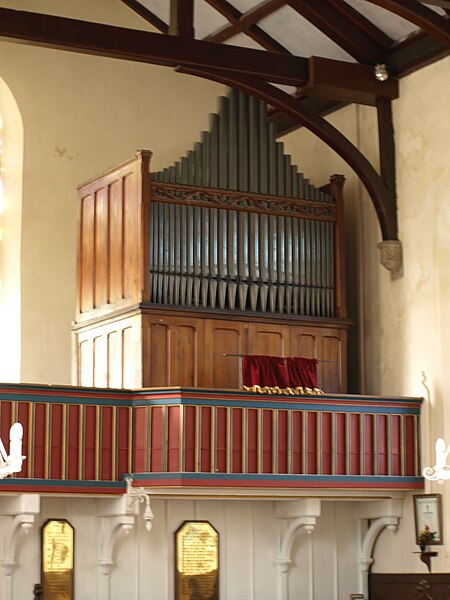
176,349
156,353
110,255
229,338
100,361
86,255
403,586
268,338
115,367
328,345
101,248
115,250
109,354
330,373
131,263
86,362
183,354
171,355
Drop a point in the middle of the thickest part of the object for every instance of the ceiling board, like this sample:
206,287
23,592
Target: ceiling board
300,37
394,26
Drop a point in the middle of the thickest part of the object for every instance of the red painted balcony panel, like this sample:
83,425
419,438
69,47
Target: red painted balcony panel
87,440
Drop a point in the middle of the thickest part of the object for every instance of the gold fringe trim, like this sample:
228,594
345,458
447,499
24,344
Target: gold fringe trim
297,391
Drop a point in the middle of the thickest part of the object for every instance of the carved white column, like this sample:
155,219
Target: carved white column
384,514
305,513
21,513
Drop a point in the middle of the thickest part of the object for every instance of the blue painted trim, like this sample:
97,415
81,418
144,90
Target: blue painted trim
62,482
270,477
254,401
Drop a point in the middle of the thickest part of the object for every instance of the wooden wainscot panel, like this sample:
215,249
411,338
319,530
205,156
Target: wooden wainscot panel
171,356
329,346
109,354
86,255
268,338
224,337
111,253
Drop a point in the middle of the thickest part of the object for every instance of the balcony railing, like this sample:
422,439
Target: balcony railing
86,440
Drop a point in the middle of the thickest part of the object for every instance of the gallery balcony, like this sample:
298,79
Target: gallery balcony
206,442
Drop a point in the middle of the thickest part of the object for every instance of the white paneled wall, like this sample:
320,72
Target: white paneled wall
324,564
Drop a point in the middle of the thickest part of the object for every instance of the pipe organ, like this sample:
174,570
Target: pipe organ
230,249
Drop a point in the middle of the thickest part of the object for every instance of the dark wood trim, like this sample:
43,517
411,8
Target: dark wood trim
386,140
148,47
188,195
246,23
270,94
182,18
321,106
146,14
347,82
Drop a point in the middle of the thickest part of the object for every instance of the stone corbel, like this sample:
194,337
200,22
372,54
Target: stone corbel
392,257
21,512
304,514
385,514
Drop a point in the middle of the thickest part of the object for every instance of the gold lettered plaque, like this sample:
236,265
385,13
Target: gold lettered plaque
57,560
197,561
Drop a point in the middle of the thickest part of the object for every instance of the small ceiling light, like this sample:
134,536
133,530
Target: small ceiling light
381,73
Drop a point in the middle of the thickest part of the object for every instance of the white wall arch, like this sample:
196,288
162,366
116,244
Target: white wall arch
10,244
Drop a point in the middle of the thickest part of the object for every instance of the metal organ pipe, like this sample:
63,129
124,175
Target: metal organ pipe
230,228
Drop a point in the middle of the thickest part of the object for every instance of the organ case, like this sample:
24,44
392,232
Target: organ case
230,250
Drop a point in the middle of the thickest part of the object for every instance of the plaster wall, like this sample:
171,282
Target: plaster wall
403,325
81,115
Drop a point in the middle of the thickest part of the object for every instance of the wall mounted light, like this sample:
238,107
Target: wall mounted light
380,72
441,470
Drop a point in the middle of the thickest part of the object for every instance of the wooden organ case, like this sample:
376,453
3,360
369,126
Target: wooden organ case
229,251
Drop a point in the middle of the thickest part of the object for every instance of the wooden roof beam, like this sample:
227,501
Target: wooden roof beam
182,18
143,46
347,82
246,23
337,27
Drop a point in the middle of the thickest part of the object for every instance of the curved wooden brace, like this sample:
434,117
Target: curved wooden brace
384,204
420,15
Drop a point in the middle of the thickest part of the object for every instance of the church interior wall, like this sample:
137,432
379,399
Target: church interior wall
82,114
323,565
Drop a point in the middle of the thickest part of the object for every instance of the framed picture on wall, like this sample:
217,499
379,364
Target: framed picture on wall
428,519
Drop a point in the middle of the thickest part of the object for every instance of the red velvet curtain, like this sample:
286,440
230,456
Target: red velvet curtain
264,371
274,371
302,371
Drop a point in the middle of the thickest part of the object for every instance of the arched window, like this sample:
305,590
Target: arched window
11,173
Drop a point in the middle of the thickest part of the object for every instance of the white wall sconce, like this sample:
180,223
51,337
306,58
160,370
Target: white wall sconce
12,462
138,495
441,470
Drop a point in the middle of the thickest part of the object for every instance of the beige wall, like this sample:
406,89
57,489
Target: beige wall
403,325
81,115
